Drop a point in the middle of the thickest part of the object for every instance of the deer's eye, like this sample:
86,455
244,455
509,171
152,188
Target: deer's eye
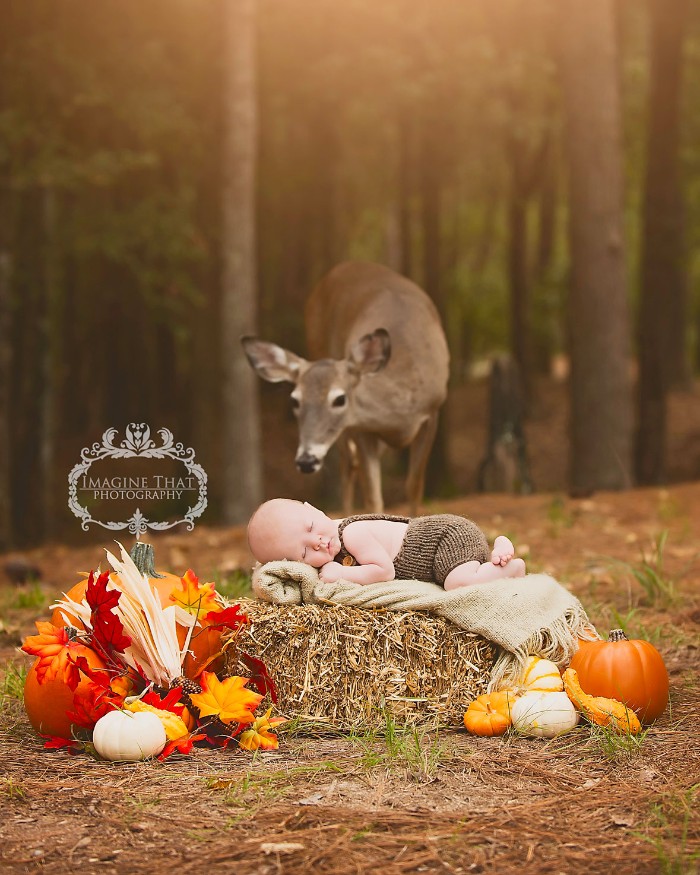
339,401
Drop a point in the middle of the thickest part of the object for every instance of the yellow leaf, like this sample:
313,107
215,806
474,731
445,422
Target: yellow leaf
228,699
259,735
197,599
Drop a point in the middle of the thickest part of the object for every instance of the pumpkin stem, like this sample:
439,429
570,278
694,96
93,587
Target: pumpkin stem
144,558
617,635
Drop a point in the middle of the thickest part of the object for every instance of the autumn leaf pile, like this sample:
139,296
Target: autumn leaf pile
126,655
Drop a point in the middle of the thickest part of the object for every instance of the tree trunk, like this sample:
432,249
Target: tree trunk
663,300
601,399
404,194
242,465
547,209
518,270
5,413
431,211
50,365
437,477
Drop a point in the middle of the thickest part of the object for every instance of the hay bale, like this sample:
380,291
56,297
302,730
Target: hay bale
349,667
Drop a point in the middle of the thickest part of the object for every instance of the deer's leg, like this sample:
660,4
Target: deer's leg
369,449
418,462
348,472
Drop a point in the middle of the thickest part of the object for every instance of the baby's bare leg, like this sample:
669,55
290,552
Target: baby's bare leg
469,573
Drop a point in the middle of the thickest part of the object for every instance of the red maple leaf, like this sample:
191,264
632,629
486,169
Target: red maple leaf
91,703
55,742
97,675
221,738
229,618
107,629
171,702
260,677
182,745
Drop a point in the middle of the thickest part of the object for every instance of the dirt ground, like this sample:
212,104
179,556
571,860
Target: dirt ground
431,801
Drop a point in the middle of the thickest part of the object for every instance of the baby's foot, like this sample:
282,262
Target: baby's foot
515,568
503,551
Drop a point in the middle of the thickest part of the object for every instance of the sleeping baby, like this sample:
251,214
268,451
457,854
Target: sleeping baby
442,548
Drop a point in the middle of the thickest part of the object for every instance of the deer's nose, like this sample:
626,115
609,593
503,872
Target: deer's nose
307,463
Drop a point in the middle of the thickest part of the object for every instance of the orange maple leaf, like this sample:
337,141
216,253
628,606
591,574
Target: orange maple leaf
195,598
259,734
228,699
53,647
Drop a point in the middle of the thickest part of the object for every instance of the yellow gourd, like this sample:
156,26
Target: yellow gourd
174,726
604,712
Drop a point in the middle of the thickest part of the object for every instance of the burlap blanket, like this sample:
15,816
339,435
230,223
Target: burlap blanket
531,615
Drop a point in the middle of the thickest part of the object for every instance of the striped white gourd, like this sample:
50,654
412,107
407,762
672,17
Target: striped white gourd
539,676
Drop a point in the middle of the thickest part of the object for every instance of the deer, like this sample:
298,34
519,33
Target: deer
377,377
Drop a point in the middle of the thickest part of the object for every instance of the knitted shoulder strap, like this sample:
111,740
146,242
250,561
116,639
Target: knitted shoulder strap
343,556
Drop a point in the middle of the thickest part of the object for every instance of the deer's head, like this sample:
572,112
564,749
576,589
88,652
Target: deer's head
322,397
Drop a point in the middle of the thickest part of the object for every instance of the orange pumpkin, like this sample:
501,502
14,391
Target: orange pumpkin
633,672
47,703
489,714
204,643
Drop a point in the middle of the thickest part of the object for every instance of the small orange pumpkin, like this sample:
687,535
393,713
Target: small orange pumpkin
632,672
490,713
47,703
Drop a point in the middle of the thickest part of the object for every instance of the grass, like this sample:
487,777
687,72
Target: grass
673,853
617,746
25,598
11,789
413,750
559,516
265,785
659,588
633,628
12,685
235,585
137,805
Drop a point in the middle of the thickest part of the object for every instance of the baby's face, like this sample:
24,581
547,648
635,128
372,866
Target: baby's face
302,533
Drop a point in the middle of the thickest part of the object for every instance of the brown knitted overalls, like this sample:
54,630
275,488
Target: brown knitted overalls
432,547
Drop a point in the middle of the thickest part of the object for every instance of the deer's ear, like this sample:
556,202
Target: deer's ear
371,353
272,362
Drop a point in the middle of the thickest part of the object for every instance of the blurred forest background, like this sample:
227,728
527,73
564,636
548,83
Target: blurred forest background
175,173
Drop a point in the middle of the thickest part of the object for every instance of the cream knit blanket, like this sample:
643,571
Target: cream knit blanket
531,615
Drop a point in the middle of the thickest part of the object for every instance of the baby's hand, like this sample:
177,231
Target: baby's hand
331,571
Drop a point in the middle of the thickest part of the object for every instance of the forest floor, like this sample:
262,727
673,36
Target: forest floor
429,801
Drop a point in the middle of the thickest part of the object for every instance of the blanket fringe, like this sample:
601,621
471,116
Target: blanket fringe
558,643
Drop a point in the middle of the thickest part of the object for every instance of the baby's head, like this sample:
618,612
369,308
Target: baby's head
293,530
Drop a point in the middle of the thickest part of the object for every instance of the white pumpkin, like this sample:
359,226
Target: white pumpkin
544,715
539,676
123,735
